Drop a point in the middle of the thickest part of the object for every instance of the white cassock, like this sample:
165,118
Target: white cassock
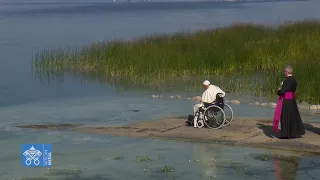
208,96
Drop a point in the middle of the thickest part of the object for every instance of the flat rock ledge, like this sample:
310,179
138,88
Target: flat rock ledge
245,132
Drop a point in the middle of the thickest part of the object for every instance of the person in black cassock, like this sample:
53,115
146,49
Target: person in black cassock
288,113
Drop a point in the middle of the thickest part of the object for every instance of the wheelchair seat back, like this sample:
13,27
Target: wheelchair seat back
219,101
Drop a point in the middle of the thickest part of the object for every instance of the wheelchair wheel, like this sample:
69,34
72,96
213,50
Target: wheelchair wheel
214,117
200,124
229,114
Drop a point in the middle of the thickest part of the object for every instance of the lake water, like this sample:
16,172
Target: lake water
28,26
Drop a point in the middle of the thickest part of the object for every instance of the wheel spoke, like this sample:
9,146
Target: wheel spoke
214,117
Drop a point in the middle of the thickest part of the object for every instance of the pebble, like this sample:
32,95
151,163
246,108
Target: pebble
313,107
235,102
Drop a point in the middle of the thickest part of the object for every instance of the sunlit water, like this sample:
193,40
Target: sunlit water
30,25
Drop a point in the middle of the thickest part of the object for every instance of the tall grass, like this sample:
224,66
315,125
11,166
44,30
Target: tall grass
234,50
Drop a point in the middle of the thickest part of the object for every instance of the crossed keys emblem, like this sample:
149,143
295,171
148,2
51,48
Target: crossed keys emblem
32,154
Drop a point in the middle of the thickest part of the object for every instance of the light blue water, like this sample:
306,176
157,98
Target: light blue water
30,25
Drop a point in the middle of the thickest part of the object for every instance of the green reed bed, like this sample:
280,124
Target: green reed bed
234,50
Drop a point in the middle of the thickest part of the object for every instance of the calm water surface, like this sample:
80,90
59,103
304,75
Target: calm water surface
28,26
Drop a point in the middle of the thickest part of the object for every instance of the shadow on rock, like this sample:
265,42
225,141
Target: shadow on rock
311,128
268,129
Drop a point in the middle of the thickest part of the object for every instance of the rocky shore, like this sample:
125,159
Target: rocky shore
247,132
303,105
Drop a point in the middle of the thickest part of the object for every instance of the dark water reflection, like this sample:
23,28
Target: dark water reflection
286,168
230,163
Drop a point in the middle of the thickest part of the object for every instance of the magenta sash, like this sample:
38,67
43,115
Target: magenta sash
277,113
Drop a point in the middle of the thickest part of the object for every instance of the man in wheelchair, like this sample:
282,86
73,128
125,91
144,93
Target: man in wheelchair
212,95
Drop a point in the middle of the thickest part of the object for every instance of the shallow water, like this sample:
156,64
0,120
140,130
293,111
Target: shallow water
30,25
81,156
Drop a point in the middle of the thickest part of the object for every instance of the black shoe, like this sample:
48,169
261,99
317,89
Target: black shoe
189,123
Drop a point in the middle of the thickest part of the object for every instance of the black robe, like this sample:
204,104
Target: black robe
291,123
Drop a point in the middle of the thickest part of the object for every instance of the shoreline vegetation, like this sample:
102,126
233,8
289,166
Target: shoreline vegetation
256,52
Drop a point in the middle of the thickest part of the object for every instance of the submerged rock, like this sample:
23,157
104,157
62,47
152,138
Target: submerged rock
171,97
235,102
227,101
135,110
189,98
313,107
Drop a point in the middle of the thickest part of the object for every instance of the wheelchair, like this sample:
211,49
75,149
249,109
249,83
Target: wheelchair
214,115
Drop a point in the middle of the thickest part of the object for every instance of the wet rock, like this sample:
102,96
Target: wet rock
304,105
49,126
178,97
272,104
196,98
135,110
313,107
256,103
264,104
235,102
156,96
318,107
